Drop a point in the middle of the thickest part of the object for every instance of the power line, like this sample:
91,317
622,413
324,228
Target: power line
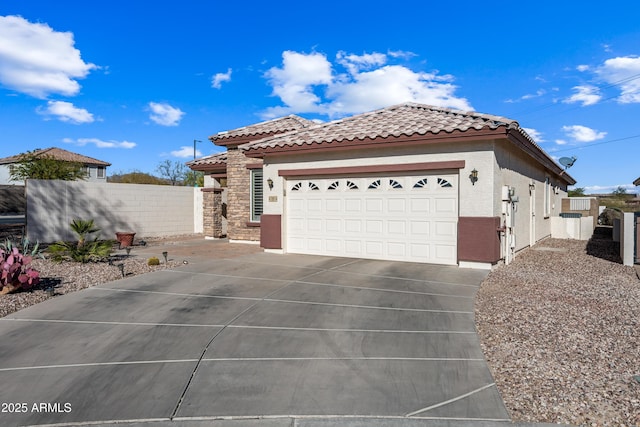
598,143
610,85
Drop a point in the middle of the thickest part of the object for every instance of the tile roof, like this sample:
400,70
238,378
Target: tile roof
269,127
208,162
58,154
399,120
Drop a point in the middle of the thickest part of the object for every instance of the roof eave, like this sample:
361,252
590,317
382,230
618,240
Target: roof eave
517,138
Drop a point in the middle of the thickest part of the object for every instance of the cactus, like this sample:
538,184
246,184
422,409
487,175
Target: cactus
15,270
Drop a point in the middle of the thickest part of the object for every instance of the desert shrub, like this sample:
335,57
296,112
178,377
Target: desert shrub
83,250
15,269
608,215
153,261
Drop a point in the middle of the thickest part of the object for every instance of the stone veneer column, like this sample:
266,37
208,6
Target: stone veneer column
212,219
238,198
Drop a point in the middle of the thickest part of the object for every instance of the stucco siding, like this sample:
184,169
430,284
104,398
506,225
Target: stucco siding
475,200
515,169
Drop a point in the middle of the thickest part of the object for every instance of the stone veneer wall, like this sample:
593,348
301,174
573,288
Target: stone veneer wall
239,203
212,201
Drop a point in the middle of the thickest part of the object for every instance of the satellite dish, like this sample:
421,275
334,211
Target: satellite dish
567,162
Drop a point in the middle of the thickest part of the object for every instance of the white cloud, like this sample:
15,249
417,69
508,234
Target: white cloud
309,83
536,135
587,95
582,133
561,142
185,152
623,72
607,189
582,68
401,54
100,143
164,114
217,79
293,83
355,63
66,112
37,60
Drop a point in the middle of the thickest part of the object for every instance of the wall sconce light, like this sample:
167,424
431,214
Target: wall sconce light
532,187
270,183
473,176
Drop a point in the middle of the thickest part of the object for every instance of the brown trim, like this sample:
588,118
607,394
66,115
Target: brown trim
271,231
238,140
252,224
389,141
218,175
479,239
211,190
348,170
254,165
207,168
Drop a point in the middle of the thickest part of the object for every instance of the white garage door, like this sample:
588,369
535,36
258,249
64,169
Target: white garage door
404,218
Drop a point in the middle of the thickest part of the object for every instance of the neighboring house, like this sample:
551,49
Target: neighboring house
96,170
636,182
409,182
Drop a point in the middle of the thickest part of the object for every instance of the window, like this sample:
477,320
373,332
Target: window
297,187
547,197
334,185
394,184
444,183
256,194
375,184
351,185
87,171
312,186
100,171
421,184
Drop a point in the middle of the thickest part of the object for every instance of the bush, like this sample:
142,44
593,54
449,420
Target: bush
83,250
608,215
153,261
15,270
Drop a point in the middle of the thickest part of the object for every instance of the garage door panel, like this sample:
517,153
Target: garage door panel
421,227
374,226
406,218
333,225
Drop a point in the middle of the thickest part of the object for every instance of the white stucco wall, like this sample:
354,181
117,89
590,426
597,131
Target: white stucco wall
516,169
475,200
5,178
148,210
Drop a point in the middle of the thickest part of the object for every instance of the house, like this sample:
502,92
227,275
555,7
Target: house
96,170
410,182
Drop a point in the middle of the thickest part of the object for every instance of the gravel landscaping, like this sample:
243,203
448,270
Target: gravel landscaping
64,277
560,328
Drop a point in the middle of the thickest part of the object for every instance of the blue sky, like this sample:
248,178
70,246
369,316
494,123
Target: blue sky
134,84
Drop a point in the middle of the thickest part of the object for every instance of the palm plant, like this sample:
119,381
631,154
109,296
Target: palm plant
83,250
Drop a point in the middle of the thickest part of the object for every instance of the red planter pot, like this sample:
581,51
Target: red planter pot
125,238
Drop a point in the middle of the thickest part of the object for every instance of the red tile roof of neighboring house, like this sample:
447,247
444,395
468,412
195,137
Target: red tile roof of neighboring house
260,130
58,154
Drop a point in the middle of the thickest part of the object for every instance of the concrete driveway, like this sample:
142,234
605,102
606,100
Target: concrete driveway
262,335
